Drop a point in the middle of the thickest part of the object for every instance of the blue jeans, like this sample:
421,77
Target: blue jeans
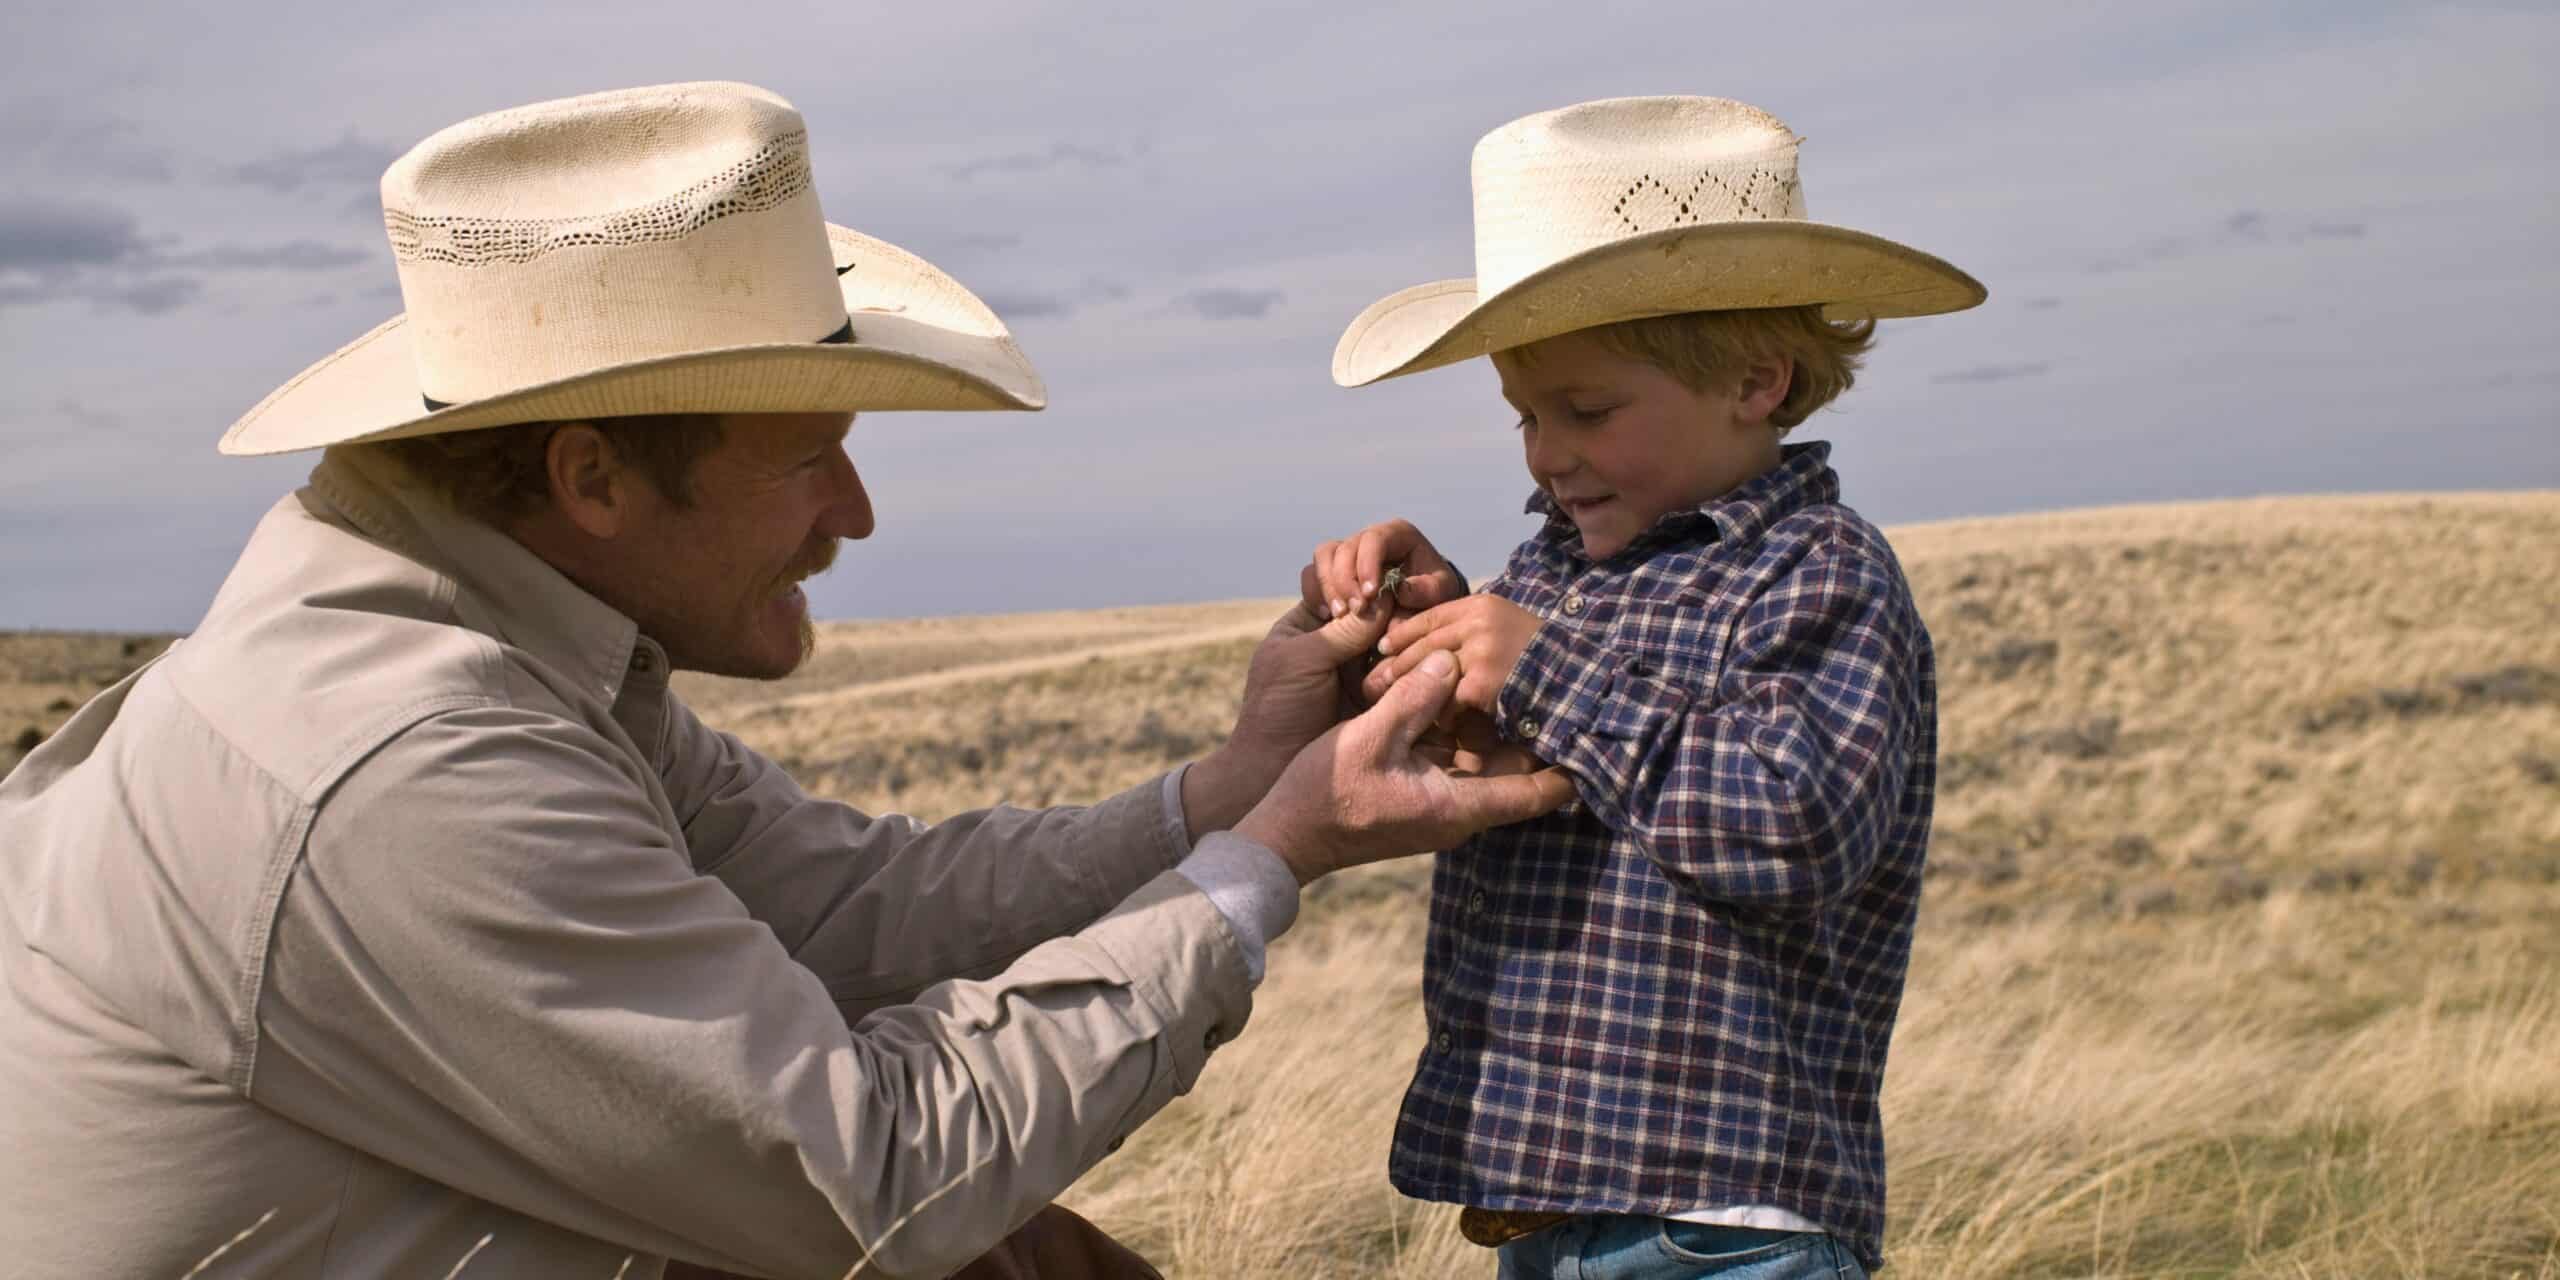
1627,1247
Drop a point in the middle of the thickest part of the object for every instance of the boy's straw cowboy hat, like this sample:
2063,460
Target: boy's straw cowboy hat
643,251
1634,207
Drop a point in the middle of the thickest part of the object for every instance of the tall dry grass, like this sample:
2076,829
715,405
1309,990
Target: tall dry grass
2239,953
2218,1096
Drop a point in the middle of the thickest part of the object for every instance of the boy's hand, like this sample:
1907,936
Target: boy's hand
1486,634
1347,575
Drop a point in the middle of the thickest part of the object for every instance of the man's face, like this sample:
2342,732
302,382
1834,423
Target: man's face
718,582
1618,443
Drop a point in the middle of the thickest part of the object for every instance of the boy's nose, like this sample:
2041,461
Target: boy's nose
1548,457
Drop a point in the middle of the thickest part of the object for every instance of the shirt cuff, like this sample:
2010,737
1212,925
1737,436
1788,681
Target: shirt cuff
1250,886
1177,829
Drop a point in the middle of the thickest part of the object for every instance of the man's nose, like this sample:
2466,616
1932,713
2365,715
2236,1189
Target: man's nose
849,514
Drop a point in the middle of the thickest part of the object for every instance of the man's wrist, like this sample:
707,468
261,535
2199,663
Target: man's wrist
1263,828
1221,787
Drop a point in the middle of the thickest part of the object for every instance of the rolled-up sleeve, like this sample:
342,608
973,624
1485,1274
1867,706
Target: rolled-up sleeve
879,907
494,965
1773,787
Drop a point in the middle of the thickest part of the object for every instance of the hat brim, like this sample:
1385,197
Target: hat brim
1716,267
920,341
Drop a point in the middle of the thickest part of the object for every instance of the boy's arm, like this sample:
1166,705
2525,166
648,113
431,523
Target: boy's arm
1775,787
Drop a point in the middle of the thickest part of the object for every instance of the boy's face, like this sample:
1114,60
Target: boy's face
1618,443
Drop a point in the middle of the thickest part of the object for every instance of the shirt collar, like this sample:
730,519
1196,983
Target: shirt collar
504,589
1802,478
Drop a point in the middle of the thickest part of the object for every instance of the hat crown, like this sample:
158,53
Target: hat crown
1559,183
544,241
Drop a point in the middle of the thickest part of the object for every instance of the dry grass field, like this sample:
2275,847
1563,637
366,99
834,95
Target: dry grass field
2240,952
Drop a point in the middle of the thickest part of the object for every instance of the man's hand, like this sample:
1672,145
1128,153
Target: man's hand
1467,744
1294,690
1485,633
1348,575
1362,793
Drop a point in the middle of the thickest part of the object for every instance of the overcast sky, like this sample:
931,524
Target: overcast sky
2232,249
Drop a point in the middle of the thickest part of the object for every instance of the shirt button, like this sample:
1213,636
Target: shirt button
1528,726
640,660
1573,603
1444,1042
1475,903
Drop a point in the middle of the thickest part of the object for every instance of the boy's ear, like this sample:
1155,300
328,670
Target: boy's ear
1764,387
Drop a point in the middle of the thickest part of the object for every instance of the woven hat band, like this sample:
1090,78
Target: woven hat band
741,280
1561,183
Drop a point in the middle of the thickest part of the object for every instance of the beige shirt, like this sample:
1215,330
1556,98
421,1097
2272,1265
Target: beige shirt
403,907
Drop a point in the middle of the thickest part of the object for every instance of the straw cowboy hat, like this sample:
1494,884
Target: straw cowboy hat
1635,207
649,250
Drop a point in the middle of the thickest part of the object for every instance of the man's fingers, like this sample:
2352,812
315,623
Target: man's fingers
1299,620
1346,636
1501,800
1413,705
1311,591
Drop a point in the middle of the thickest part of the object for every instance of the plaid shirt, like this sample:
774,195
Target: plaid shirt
1675,993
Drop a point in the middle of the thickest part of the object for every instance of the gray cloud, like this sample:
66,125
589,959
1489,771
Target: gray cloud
2239,229
1995,373
1027,306
293,255
151,297
1059,154
348,161
1036,304
984,242
45,238
1231,304
95,253
94,148
82,415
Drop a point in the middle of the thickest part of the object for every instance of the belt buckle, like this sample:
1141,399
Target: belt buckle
1491,1227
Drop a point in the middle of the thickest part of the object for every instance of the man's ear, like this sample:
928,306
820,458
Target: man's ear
1764,387
588,481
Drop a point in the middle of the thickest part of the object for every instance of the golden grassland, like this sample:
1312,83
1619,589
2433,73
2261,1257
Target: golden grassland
2239,955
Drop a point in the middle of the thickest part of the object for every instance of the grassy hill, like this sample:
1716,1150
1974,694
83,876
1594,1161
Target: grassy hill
2240,951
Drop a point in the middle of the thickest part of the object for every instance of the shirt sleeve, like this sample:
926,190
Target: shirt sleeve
1774,787
839,886
493,967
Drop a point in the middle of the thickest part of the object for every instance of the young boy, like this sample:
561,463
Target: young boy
1658,1016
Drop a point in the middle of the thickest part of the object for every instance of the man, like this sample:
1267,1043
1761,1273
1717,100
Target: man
400,921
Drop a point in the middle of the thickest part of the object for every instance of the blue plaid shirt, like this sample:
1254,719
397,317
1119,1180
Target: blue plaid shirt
1675,992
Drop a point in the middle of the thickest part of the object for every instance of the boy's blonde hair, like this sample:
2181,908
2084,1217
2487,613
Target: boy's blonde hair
1708,350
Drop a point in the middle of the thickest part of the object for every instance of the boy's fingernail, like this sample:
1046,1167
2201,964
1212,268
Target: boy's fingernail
1439,663
1386,649
1336,605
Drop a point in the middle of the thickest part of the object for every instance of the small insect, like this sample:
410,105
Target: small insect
1393,579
